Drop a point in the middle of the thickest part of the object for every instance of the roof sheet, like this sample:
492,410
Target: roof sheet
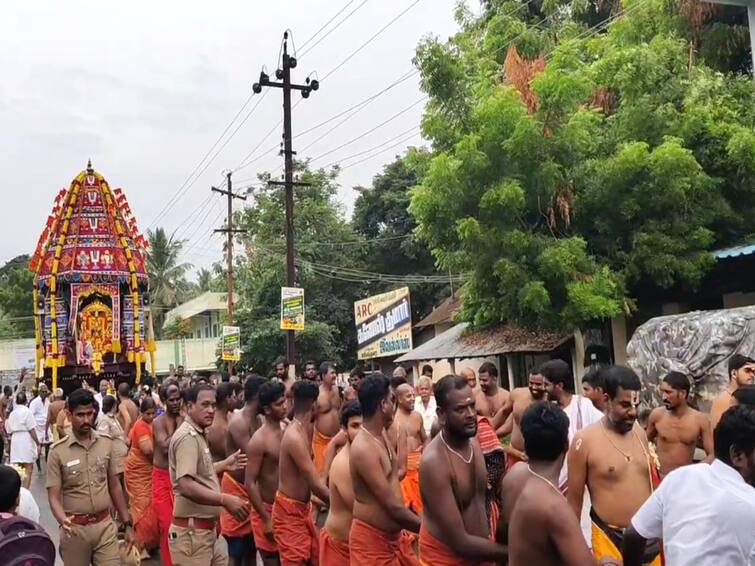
504,339
735,251
443,313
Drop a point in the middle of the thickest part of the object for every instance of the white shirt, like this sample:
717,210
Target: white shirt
705,515
582,413
428,413
39,408
23,450
27,506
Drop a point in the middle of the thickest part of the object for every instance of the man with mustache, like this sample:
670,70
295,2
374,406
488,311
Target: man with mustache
491,397
741,373
82,487
676,427
516,404
612,459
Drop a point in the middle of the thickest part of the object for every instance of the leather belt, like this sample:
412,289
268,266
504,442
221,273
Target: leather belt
196,522
90,518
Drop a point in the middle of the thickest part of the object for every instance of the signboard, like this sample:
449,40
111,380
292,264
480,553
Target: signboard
384,324
292,308
231,346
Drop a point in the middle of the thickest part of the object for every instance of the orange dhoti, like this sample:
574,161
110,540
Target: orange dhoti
138,480
410,483
162,500
230,526
333,552
295,531
372,547
258,530
432,552
319,445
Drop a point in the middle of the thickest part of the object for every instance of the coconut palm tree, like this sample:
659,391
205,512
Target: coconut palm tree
168,286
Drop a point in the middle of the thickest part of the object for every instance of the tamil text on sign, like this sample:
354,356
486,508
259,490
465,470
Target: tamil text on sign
384,324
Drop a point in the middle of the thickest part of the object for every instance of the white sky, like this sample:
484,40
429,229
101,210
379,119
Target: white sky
145,88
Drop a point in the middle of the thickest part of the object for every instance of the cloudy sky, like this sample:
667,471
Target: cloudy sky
146,88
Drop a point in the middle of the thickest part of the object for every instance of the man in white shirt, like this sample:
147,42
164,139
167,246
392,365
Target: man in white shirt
581,412
705,514
40,407
424,404
20,427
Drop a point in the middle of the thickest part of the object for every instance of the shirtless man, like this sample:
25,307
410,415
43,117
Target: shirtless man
491,397
334,536
543,529
453,480
741,372
470,376
128,412
310,371
244,423
593,388
281,373
611,458
328,406
298,480
225,395
355,378
262,470
409,438
515,405
677,426
163,428
380,519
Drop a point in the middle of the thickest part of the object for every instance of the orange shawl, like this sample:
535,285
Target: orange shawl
319,445
432,552
410,483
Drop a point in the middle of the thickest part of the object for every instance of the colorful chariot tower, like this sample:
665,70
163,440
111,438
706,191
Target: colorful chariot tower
90,288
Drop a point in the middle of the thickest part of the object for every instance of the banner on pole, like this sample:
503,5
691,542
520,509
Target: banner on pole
384,324
231,347
292,308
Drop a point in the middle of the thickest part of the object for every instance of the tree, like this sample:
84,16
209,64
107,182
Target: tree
168,286
381,216
208,280
321,232
16,308
580,164
177,328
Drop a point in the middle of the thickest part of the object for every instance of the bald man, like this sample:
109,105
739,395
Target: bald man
471,377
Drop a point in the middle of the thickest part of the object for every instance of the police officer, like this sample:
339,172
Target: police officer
82,486
193,534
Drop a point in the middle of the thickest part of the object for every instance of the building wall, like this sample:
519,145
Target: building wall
736,300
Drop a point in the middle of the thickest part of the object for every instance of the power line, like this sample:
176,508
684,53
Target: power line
413,129
371,39
389,148
332,29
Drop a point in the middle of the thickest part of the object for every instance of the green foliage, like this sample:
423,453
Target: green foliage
176,329
16,308
324,239
382,218
634,162
167,277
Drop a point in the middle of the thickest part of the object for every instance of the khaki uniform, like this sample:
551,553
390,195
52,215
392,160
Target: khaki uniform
189,455
81,472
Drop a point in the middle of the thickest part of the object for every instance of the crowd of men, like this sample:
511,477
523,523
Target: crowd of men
383,472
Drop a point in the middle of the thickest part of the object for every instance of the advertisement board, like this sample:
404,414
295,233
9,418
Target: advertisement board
384,324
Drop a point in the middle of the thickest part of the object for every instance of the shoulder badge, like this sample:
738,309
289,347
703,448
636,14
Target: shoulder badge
103,434
58,442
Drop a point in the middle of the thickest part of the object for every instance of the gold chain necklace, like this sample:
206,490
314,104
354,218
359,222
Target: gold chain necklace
546,480
462,458
627,456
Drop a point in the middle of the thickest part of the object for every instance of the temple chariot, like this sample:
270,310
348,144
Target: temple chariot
90,294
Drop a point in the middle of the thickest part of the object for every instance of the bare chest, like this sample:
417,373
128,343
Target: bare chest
674,430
